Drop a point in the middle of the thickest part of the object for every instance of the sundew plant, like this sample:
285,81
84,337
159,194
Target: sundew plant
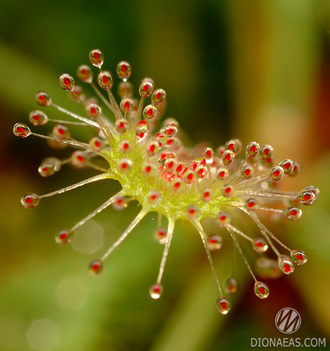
133,146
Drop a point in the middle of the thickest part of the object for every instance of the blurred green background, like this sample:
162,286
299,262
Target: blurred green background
256,70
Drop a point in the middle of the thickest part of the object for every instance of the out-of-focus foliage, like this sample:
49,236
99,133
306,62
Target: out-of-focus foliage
257,70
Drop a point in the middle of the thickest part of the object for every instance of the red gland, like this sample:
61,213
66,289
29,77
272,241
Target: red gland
21,130
148,169
177,184
170,164
208,154
38,118
96,58
104,79
227,190
30,200
121,125
276,173
222,174
214,242
146,89
189,177
96,144
156,291
63,237
141,136
180,168
124,146
124,70
96,267
261,290
298,257
79,159
293,213
223,305
234,145
201,172
259,245
285,264
154,197
85,74
158,97
230,285
126,105
287,166
160,235
93,110
43,99
62,132
228,157
314,190
266,152
152,148
192,212
306,198
149,112
125,165
207,195
67,82
252,149
49,166
247,172
171,131
120,203
223,218
251,204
